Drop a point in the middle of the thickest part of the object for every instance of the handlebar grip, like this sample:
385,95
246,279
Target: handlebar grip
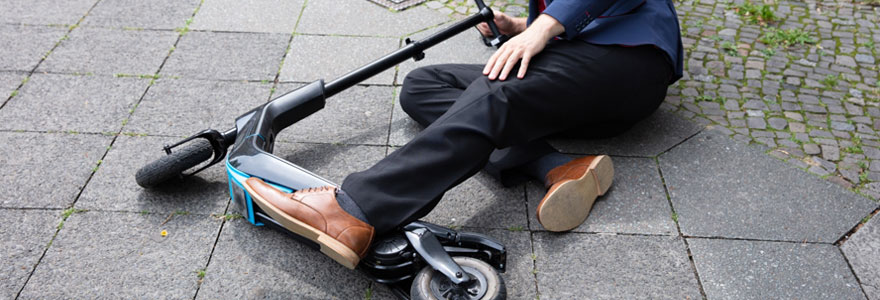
492,26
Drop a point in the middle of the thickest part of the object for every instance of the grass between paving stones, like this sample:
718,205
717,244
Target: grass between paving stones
368,294
756,13
786,38
66,214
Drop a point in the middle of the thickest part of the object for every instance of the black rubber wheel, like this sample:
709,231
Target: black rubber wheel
430,284
171,166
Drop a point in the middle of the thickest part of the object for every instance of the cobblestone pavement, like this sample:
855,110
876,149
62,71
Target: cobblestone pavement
702,206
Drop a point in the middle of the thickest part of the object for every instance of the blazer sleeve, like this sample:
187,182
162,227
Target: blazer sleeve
575,15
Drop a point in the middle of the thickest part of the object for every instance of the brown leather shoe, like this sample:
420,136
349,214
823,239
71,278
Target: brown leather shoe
572,189
314,213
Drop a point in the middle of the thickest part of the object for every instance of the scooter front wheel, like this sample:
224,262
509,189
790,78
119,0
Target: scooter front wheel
486,283
173,165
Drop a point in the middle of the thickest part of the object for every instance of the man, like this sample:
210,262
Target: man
590,66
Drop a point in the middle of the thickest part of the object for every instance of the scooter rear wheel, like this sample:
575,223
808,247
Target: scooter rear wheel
487,284
173,165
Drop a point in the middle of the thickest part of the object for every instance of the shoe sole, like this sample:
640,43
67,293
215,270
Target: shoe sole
329,245
567,206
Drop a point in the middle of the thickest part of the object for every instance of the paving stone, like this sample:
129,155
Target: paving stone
9,82
636,203
781,204
587,266
73,103
24,239
359,115
812,149
862,58
862,250
650,137
465,48
830,153
30,158
257,16
89,259
113,186
733,269
329,57
756,123
24,46
403,128
259,262
778,123
45,12
836,125
846,61
481,201
110,52
227,55
364,18
333,162
162,14
182,107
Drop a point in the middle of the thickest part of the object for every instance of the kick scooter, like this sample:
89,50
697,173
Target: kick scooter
419,260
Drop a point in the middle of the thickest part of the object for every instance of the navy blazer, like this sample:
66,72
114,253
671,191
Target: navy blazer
619,22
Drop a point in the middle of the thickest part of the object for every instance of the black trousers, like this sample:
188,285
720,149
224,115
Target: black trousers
472,122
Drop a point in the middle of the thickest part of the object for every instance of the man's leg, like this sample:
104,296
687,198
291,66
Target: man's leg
428,92
567,84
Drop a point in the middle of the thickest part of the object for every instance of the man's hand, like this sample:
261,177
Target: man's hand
523,47
507,25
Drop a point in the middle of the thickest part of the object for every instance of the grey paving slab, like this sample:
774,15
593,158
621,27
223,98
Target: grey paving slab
650,137
110,52
636,203
519,278
736,269
263,263
721,188
588,266
9,81
24,46
26,234
227,55
73,103
862,250
481,201
278,16
358,115
161,14
114,188
124,255
465,48
45,11
332,162
365,18
47,170
183,107
403,128
314,57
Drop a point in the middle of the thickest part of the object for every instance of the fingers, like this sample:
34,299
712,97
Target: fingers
527,56
508,65
502,62
484,29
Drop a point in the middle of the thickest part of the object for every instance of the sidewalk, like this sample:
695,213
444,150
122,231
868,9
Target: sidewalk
756,179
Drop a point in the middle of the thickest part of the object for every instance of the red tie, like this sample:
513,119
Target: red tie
541,6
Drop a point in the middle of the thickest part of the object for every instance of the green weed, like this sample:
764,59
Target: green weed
786,38
515,228
756,13
729,48
829,82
